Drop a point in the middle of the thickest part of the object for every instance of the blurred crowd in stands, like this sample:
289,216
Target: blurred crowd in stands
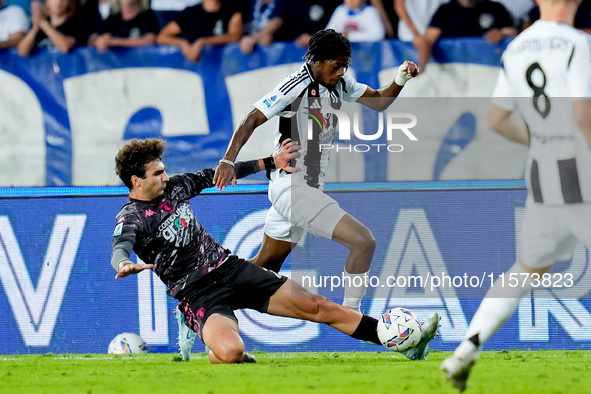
195,24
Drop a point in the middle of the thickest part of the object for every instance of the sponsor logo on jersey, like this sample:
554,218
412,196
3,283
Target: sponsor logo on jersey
172,228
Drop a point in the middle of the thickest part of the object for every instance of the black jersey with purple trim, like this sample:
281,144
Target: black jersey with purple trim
166,233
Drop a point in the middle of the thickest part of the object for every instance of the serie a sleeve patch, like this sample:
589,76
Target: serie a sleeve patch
118,229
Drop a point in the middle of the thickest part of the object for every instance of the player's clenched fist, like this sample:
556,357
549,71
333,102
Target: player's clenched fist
406,71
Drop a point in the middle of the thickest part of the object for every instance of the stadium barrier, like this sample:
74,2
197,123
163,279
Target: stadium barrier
59,292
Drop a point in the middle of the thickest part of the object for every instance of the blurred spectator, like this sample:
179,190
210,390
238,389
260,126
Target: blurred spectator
582,17
415,16
388,16
358,21
518,9
256,17
297,20
168,10
466,18
208,23
97,11
13,25
134,25
55,24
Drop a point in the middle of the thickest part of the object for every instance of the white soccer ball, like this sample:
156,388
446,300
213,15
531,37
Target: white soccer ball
399,329
128,343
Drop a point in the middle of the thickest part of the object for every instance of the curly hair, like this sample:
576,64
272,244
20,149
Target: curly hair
327,45
133,157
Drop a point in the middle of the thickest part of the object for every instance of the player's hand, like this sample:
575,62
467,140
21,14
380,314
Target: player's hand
288,151
224,173
406,71
132,268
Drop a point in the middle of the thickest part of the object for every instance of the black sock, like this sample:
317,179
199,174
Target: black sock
367,330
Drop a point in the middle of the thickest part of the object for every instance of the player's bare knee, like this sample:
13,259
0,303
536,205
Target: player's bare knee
365,242
230,353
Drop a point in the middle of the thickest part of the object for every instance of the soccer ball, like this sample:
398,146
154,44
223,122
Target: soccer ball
399,329
128,343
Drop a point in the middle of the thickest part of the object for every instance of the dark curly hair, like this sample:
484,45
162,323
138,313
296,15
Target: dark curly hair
327,45
133,157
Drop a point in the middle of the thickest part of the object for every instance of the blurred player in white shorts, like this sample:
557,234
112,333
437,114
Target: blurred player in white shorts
546,78
310,210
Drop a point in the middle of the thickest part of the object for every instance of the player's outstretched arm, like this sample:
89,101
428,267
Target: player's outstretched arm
382,98
224,173
282,159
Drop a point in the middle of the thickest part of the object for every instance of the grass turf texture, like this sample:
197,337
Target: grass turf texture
384,372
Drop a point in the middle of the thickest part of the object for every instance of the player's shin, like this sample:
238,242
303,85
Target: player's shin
355,286
498,305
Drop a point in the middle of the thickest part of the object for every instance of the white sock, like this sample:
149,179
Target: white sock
355,288
494,310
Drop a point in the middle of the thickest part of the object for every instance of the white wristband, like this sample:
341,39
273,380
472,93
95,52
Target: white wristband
402,76
230,162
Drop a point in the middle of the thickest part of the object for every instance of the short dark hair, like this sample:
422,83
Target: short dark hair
327,44
135,155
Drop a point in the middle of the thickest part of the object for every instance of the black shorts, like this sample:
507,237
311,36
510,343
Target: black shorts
236,284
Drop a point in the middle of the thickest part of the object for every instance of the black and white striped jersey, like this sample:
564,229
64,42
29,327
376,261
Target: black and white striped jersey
297,99
545,69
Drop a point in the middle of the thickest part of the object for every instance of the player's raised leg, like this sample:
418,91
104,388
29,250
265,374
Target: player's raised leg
351,233
292,300
272,253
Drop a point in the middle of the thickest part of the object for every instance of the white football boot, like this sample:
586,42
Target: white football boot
420,351
457,369
186,336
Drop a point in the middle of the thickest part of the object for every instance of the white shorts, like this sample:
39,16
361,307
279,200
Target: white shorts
298,208
549,233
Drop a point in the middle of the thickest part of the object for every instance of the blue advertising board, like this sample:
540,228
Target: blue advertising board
59,293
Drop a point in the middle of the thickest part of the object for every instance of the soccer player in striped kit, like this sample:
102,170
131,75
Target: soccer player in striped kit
546,78
298,203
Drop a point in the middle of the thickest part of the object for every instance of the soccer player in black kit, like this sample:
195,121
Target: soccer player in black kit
158,224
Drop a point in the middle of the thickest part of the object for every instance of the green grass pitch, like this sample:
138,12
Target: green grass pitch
278,373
